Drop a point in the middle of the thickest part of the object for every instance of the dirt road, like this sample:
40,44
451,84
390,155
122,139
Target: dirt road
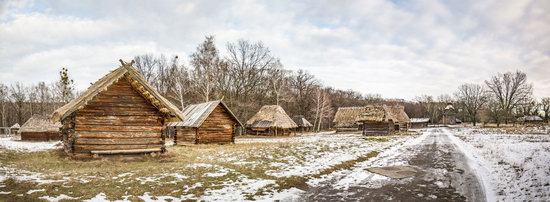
443,175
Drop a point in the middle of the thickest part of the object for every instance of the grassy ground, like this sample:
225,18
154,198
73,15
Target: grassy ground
191,171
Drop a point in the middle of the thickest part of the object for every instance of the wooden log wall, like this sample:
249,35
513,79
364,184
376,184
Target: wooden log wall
217,128
40,136
378,128
186,136
118,119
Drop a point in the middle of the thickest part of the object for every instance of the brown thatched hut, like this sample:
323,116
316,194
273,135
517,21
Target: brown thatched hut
345,119
417,123
119,114
383,119
209,122
303,124
40,128
271,120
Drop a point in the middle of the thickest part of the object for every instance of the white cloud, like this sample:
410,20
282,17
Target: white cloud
396,49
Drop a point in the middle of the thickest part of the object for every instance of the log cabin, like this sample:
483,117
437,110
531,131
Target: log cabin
206,123
417,123
120,114
303,124
270,120
383,120
40,128
345,119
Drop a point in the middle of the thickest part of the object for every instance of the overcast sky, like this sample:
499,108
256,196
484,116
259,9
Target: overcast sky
399,49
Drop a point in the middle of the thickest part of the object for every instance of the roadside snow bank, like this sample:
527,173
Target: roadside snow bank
12,144
518,163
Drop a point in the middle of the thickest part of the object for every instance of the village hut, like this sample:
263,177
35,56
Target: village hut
205,123
383,119
417,123
530,120
118,114
345,119
303,124
40,128
271,120
449,115
14,129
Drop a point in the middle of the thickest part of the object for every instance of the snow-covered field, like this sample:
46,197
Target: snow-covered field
264,169
518,164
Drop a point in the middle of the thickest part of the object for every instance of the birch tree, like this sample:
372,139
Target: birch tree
205,61
3,101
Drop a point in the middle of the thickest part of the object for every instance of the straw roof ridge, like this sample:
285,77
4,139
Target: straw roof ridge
347,116
40,123
272,116
196,114
384,113
103,83
15,126
397,113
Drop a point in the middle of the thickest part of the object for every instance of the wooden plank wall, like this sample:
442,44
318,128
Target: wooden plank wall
40,136
377,128
186,135
217,128
118,118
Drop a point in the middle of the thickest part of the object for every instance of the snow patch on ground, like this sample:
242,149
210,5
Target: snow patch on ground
514,166
12,144
57,198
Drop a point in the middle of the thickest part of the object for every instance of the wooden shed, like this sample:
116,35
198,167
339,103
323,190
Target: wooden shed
383,119
206,123
303,124
119,114
271,120
14,129
40,128
417,123
345,119
530,120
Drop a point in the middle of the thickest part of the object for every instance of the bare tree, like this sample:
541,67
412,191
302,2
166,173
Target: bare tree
473,97
278,80
44,96
544,106
509,90
429,107
205,62
146,65
323,107
4,96
18,98
493,111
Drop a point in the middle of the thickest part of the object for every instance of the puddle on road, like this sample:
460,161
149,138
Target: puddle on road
395,172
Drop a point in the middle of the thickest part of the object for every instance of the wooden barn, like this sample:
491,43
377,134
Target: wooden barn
40,128
271,120
303,124
119,114
206,123
383,119
449,115
345,119
417,123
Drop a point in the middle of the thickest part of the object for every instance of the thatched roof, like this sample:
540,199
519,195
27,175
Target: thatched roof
301,121
40,123
384,113
420,120
196,114
138,82
271,116
347,116
397,113
15,126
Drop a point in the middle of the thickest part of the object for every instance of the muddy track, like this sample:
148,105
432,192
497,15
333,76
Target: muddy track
444,176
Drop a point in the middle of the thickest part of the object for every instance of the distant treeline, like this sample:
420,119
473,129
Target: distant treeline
249,76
